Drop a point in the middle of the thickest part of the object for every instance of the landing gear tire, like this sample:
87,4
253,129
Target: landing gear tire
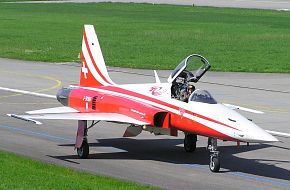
214,164
83,151
190,142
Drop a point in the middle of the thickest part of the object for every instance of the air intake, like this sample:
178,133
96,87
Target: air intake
94,102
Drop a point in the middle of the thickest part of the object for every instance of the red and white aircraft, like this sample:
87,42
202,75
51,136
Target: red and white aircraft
160,108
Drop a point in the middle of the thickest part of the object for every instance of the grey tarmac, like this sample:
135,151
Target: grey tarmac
155,160
283,5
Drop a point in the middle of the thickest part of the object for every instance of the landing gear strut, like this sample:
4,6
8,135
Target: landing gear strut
190,142
82,144
214,164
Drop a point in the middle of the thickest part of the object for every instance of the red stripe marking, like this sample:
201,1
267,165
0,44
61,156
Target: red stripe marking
76,101
209,119
92,59
127,92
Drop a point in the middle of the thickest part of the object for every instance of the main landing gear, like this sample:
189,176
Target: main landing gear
214,164
82,144
190,142
84,150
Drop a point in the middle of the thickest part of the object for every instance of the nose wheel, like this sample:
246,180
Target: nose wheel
214,163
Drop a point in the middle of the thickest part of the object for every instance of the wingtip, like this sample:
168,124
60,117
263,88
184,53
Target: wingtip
24,119
279,134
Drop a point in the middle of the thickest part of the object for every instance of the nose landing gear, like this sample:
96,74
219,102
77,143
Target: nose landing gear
190,146
214,164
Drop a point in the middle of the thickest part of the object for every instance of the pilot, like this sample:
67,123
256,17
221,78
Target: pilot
190,89
185,94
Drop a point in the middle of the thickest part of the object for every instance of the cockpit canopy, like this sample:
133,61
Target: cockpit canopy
202,96
192,68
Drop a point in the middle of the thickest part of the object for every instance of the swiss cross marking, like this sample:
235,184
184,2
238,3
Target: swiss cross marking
85,70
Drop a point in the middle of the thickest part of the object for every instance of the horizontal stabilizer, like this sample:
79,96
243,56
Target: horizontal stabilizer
234,107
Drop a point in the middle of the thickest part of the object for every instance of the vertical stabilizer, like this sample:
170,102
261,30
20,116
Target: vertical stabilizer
93,69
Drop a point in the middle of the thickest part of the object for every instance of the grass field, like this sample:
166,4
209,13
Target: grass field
23,0
149,36
18,172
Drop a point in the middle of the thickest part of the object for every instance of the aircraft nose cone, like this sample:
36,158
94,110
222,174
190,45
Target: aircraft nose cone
265,137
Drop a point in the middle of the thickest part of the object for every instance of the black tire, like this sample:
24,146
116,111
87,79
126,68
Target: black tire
190,142
214,164
83,151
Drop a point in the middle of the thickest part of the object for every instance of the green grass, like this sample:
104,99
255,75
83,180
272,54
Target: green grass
26,0
149,36
18,172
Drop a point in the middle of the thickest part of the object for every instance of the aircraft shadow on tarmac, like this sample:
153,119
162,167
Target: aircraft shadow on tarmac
165,150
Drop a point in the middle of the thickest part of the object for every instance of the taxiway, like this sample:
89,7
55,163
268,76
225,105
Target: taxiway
282,5
156,160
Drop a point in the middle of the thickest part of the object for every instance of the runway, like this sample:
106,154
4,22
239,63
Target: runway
155,160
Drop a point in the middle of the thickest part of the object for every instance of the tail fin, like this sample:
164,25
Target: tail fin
93,71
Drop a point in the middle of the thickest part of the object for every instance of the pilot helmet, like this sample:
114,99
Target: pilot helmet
190,88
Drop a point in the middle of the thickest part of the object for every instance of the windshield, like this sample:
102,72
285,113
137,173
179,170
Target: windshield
202,96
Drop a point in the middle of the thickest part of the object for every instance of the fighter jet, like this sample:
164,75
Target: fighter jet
159,108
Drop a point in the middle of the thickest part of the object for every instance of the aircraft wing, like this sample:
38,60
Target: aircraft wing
279,134
66,113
